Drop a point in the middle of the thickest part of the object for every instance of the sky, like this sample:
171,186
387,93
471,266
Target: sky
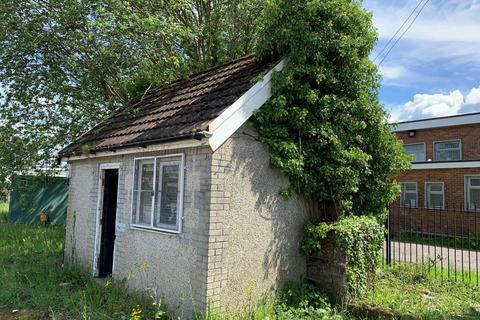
434,70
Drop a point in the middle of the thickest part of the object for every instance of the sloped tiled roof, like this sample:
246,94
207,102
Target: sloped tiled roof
179,110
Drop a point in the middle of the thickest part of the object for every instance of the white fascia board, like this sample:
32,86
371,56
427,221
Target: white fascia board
446,165
241,110
156,147
438,122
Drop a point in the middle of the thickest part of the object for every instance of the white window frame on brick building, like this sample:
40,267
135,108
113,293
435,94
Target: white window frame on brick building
437,150
468,188
429,192
154,215
418,157
405,192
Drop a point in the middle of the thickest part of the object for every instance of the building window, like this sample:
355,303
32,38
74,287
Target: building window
409,195
417,151
435,195
157,193
472,192
447,150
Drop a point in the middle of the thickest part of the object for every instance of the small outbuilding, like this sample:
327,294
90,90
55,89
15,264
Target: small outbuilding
176,193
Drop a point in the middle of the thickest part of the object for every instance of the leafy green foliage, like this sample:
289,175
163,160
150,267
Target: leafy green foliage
303,301
324,125
66,65
360,238
3,212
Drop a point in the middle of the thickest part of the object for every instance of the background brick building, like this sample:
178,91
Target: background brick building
441,192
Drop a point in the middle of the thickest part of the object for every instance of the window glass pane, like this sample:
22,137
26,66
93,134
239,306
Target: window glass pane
143,192
410,186
436,188
475,182
142,210
435,195
410,200
166,209
474,195
436,200
447,151
415,150
408,196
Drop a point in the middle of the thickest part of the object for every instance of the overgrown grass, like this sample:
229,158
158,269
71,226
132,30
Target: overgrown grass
407,292
34,281
32,278
3,212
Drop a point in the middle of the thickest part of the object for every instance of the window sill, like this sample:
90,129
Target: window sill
156,230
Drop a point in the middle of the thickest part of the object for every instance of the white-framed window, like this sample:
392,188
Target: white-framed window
472,192
435,195
447,150
416,150
157,201
409,194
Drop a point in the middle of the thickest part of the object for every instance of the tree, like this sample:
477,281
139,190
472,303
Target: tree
324,125
66,65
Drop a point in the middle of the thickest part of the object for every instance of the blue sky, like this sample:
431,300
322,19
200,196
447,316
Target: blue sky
435,69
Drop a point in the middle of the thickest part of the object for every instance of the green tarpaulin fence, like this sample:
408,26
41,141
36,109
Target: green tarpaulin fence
32,195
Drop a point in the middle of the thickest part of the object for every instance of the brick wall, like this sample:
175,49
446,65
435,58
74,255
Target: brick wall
468,134
454,183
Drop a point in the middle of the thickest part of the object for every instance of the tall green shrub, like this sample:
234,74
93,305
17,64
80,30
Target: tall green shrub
324,125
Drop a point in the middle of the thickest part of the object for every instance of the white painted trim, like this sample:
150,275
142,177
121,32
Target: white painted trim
240,111
98,233
149,148
113,165
446,165
438,122
426,191
181,182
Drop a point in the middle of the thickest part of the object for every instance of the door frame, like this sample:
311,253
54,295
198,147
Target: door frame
98,216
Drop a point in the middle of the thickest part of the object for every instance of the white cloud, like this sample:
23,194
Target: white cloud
473,97
439,21
434,105
392,72
437,105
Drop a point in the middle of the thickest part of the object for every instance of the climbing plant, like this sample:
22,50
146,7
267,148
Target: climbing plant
324,125
360,238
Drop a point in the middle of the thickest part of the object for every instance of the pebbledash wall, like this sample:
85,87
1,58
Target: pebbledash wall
239,241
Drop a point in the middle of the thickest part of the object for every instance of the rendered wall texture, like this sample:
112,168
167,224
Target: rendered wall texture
240,238
177,264
255,233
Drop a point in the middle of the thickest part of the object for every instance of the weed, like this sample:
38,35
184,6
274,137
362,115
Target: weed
3,212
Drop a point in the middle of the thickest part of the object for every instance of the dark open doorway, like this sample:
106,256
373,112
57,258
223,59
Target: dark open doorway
107,222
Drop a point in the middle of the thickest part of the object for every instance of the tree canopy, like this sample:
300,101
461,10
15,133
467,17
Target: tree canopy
324,125
66,64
